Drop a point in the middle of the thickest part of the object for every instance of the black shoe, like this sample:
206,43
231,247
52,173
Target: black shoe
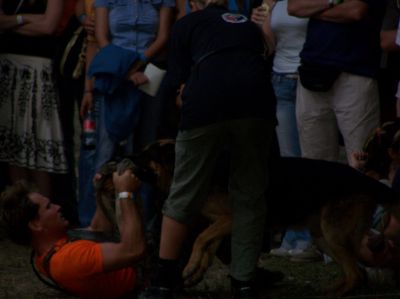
244,293
266,278
243,290
156,293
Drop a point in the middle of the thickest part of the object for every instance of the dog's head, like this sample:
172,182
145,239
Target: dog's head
158,159
153,165
104,188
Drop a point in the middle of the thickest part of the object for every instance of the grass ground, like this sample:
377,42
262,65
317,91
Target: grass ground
302,280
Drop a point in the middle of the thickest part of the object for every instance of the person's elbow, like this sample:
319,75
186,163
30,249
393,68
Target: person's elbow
294,9
137,251
50,30
48,26
359,12
388,40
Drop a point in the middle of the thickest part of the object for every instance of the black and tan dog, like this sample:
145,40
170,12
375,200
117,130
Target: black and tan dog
335,201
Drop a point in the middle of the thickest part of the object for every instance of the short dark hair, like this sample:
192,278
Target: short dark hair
17,210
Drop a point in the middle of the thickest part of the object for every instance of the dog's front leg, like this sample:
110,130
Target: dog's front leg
206,242
204,264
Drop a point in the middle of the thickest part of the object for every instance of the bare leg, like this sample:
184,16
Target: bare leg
173,234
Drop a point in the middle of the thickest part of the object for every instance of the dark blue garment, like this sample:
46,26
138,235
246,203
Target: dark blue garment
110,67
351,47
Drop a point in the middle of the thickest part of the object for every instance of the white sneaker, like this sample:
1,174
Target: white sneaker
296,251
280,251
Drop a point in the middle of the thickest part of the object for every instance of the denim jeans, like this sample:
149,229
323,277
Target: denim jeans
145,133
87,200
299,239
288,136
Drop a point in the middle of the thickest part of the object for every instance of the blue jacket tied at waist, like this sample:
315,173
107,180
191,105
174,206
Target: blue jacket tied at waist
110,67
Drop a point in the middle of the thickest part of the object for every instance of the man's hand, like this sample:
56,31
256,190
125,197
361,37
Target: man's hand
138,78
126,182
260,14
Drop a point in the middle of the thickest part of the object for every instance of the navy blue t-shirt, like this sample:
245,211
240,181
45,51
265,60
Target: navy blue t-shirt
233,82
351,47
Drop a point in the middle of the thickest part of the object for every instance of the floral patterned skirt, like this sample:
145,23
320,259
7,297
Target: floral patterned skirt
30,127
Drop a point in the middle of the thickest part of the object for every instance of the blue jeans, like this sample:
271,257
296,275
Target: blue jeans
299,239
106,148
288,136
87,199
145,133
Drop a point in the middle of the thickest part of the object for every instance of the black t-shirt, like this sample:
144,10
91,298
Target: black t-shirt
219,57
391,19
41,46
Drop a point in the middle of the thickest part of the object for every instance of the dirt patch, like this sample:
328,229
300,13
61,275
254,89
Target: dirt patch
302,280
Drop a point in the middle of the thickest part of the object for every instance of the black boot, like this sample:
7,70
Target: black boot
164,282
243,289
156,292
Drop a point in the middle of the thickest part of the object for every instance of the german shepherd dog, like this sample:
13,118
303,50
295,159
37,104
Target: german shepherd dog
334,201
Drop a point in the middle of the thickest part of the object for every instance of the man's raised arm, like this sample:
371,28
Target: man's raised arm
132,245
329,10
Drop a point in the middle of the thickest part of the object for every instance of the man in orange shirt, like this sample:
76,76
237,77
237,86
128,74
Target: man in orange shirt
83,268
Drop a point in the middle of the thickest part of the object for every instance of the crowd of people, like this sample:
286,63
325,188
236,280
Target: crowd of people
313,77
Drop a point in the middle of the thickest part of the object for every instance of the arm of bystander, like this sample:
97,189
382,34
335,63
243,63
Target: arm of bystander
333,11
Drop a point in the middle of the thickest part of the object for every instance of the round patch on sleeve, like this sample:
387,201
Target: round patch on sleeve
233,18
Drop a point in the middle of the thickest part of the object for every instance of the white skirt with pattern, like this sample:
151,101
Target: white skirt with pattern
30,127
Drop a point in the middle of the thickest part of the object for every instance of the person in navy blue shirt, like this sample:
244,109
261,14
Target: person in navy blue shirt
340,59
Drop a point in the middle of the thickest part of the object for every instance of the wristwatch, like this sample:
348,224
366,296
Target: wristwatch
332,3
125,195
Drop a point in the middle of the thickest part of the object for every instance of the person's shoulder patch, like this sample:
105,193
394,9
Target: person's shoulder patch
233,18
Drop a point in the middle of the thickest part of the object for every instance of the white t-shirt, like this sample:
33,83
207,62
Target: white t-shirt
290,33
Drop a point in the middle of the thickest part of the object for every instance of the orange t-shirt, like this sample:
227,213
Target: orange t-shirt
78,268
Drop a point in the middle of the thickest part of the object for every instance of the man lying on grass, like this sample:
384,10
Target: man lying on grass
83,268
